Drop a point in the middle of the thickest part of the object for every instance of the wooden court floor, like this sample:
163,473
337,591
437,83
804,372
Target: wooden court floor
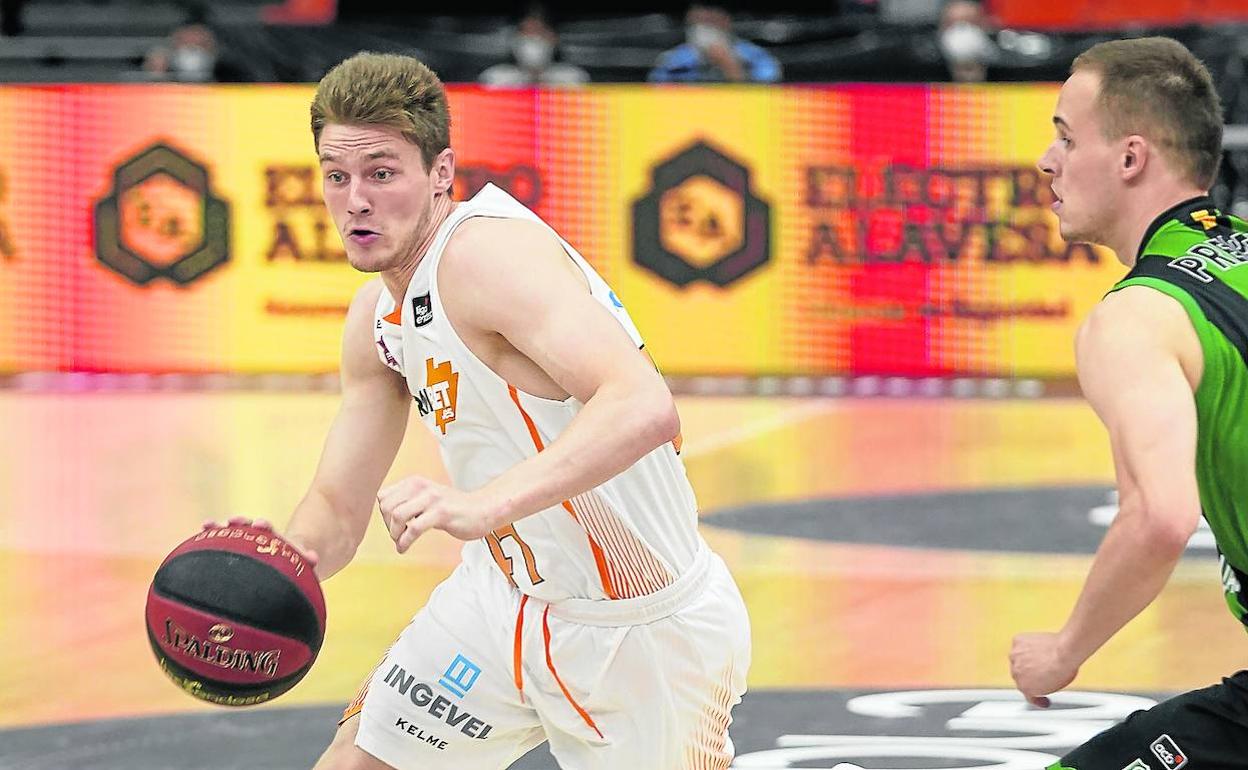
96,487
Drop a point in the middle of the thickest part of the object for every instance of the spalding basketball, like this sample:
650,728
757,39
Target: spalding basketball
235,615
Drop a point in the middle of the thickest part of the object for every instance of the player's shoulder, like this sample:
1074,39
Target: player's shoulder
1138,305
364,302
1133,318
363,309
488,246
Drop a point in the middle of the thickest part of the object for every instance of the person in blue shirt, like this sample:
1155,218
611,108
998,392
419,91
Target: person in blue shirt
712,53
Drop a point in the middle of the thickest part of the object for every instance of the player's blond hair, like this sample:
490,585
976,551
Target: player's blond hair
1155,87
385,90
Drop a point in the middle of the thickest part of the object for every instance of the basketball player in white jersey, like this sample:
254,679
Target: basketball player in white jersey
587,610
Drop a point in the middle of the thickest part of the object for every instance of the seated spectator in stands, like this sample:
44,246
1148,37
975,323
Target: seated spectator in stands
965,42
192,55
712,53
535,53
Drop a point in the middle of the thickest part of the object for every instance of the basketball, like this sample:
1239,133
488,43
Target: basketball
235,615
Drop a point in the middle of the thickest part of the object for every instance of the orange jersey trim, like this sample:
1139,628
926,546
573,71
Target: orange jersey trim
600,559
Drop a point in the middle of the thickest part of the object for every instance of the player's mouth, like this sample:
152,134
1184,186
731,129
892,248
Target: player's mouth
362,235
1057,201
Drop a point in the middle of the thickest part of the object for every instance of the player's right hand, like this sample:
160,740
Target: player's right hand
1039,667
243,521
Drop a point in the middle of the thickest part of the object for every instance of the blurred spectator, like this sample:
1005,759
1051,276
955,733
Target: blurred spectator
965,42
191,55
712,53
535,53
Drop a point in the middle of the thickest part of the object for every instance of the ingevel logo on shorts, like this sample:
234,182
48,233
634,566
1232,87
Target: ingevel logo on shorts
161,219
439,706
460,676
1169,752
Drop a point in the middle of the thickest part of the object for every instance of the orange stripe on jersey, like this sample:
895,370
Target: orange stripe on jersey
528,421
628,580
396,317
550,664
629,560
600,561
634,552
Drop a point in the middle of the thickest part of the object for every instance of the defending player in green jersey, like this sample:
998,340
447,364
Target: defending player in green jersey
1163,360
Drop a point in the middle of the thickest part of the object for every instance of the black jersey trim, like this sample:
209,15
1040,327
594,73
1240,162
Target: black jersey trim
1223,307
1181,213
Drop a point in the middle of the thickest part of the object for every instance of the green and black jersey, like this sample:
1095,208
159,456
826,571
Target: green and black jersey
1199,256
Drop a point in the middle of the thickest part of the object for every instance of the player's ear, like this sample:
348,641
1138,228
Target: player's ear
443,172
1134,157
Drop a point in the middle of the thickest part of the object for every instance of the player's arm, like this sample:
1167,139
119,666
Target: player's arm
512,278
529,291
1130,369
1130,355
360,448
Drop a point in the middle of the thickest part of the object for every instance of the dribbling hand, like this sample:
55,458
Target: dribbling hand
243,521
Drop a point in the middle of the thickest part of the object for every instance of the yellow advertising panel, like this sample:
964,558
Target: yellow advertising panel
846,229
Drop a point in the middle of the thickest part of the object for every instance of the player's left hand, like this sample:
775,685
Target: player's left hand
415,505
1040,667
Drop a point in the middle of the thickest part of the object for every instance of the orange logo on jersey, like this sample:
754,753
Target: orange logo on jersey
1207,220
440,394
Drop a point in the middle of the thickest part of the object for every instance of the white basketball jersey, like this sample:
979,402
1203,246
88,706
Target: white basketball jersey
627,538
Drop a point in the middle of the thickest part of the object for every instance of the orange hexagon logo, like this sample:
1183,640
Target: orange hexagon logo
162,219
701,220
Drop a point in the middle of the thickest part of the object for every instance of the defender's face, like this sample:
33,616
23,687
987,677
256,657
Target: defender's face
1082,163
378,193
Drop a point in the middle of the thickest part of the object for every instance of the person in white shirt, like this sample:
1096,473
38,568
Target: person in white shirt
534,48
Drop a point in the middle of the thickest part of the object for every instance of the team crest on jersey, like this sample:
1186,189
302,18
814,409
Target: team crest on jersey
1205,218
440,396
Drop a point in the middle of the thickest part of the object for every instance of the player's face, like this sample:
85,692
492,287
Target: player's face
378,192
1082,163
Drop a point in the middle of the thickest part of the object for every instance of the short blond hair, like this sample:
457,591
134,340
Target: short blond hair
385,90
1155,87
